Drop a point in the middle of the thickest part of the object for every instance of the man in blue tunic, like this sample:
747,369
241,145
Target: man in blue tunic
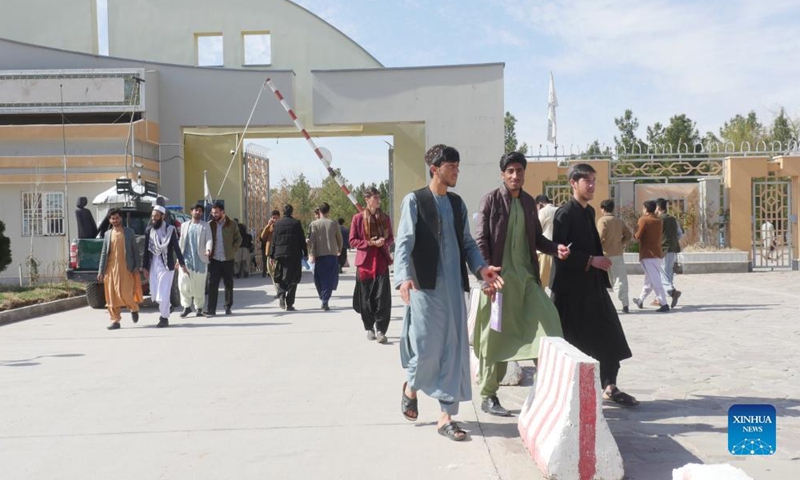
433,249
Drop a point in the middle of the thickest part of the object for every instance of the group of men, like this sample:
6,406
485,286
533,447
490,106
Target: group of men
435,253
204,254
659,235
522,247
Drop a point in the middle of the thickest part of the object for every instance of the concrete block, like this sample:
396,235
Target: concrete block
695,471
562,423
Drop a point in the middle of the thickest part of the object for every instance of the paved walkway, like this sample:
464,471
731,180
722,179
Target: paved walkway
303,395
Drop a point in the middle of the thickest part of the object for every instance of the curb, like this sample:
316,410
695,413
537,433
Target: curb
31,311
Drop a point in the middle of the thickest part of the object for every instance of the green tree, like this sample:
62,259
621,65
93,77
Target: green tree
655,135
741,129
595,150
511,135
628,143
5,248
341,206
680,133
782,130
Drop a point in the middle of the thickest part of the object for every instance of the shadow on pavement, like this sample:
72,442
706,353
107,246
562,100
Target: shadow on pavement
29,362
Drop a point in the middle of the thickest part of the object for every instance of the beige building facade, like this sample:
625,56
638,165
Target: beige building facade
204,63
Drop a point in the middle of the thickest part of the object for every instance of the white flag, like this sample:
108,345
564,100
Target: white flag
552,103
206,190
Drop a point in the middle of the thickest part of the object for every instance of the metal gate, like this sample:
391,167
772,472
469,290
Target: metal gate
558,193
256,195
772,227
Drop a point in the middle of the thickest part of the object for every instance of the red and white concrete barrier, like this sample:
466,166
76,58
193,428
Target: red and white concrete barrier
562,423
695,471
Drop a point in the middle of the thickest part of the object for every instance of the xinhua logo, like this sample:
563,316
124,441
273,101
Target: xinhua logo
751,430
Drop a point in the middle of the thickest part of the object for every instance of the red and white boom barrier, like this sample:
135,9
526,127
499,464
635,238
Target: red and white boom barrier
562,423
325,159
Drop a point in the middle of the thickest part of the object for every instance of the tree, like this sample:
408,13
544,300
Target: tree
628,143
783,131
682,134
741,129
5,248
595,151
341,206
511,135
655,135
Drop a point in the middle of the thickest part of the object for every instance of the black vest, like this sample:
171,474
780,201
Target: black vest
428,232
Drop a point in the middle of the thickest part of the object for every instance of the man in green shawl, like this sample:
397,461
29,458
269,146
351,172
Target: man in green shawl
509,234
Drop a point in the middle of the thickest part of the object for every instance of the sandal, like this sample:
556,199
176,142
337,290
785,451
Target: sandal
452,431
620,398
409,405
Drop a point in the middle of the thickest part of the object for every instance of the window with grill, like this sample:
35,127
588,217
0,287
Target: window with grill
42,214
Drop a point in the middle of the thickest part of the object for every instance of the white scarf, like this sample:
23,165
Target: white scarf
160,246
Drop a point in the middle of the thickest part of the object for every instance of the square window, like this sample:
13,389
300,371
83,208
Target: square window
209,50
257,48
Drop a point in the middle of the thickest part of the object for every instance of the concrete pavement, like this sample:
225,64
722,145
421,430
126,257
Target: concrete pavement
265,393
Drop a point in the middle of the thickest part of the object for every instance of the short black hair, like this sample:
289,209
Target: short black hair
447,155
276,212
218,206
513,157
114,211
324,208
607,205
200,206
650,206
370,192
542,199
341,221
579,171
288,210
662,204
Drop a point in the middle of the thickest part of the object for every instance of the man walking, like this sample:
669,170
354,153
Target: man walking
288,249
323,250
241,265
580,286
345,245
371,235
648,232
509,235
225,241
119,270
433,250
158,261
195,243
671,247
614,235
266,238
546,214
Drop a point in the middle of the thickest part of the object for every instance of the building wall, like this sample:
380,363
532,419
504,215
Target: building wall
301,41
64,24
460,106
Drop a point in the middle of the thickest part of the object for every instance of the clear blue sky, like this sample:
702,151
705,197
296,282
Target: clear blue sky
709,59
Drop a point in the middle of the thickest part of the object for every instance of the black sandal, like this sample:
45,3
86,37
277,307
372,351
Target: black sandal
620,398
452,431
408,405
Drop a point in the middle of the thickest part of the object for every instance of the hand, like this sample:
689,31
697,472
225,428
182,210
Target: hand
146,273
601,263
100,278
380,242
489,291
563,252
311,259
491,275
404,291
208,253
